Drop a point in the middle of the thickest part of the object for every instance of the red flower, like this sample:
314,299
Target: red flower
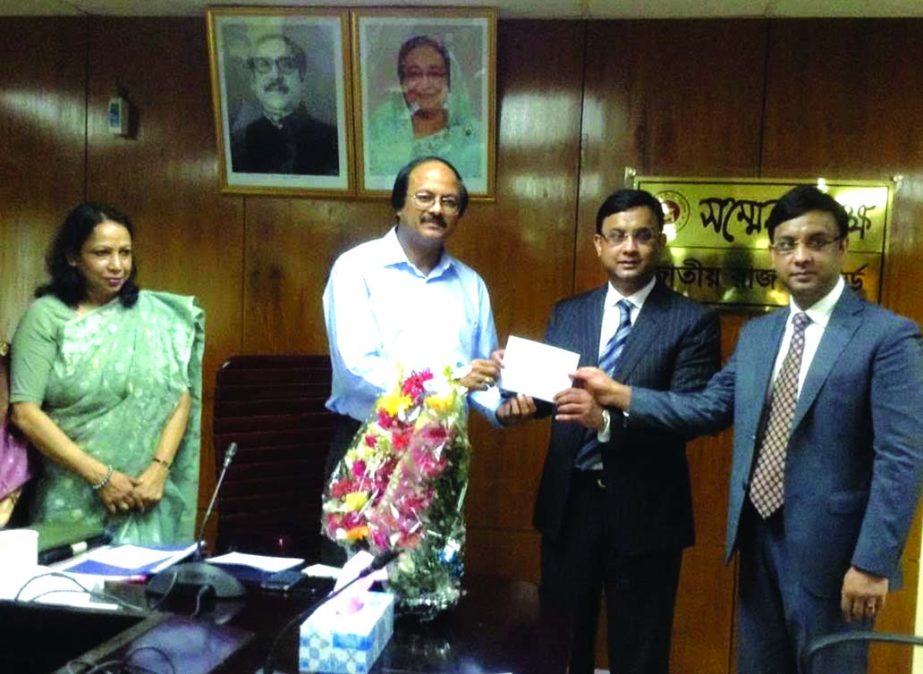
371,440
400,438
341,488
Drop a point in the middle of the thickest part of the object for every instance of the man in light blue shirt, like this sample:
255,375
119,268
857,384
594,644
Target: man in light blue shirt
403,301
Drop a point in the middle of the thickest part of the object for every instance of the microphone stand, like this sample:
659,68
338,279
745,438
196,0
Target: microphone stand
197,573
379,562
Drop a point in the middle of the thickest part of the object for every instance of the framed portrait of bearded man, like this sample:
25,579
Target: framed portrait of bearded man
425,82
282,100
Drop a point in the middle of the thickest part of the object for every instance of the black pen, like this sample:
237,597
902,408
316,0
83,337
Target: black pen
63,552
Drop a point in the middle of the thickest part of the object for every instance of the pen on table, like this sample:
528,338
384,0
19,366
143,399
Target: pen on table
63,552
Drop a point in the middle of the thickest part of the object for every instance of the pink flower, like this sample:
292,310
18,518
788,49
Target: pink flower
380,539
427,463
435,434
413,385
353,519
371,440
359,468
385,420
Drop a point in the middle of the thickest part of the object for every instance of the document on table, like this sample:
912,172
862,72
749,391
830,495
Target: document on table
125,560
536,369
266,563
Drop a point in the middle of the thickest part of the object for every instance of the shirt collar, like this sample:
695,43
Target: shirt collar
393,255
637,299
822,309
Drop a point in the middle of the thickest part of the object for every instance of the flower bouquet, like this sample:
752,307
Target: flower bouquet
401,486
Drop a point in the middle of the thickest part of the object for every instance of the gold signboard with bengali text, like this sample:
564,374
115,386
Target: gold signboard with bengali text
718,248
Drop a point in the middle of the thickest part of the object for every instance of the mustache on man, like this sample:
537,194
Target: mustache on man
277,85
434,217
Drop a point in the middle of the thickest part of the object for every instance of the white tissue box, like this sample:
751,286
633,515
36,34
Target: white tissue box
346,643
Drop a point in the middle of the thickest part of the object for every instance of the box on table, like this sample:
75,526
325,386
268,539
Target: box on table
346,643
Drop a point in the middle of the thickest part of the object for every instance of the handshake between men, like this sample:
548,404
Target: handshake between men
824,397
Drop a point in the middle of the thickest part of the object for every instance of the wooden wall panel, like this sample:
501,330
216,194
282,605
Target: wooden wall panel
290,246
839,106
666,98
42,119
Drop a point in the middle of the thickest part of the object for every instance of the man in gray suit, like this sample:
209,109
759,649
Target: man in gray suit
826,399
614,505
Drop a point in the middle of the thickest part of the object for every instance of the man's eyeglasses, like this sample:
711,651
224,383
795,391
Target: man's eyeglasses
617,237
448,202
786,246
286,65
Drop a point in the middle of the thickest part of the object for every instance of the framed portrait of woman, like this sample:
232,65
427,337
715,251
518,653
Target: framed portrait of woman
425,82
282,101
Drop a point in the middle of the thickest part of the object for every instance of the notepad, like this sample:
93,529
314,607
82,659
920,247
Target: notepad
126,560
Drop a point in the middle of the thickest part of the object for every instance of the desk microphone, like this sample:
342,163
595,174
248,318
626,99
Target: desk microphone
228,457
199,574
380,561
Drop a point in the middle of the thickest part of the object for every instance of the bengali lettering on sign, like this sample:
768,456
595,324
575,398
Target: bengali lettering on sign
718,248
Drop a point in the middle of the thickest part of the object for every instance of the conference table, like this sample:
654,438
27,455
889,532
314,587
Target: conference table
499,626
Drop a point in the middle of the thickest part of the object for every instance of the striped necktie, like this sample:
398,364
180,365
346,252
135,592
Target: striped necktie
589,456
767,485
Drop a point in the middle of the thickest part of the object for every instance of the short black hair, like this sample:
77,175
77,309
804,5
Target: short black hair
424,41
301,60
801,199
399,191
67,284
625,200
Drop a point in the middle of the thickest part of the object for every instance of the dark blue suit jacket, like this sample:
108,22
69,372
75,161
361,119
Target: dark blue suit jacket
674,345
854,465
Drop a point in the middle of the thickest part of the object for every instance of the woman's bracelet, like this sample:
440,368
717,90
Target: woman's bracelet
102,483
165,464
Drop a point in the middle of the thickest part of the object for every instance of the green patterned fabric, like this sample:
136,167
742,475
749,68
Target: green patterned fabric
111,379
391,143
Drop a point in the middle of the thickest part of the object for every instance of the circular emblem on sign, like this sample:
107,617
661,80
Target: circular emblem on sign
675,209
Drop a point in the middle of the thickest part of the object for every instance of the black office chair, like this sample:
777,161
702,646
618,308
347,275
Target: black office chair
273,408
831,640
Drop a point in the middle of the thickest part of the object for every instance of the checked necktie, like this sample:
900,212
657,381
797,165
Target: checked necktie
589,456
767,486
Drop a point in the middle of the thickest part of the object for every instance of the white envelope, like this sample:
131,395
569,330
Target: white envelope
536,369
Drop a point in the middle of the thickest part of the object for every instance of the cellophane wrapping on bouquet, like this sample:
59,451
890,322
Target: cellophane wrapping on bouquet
401,486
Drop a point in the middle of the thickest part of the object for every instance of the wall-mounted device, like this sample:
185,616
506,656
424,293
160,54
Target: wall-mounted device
117,116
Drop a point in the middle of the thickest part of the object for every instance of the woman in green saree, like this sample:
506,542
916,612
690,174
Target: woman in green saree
106,384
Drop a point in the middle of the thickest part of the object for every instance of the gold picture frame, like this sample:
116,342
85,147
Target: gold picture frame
282,100
439,62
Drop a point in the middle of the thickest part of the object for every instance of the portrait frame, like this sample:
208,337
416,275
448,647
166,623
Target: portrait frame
303,145
384,130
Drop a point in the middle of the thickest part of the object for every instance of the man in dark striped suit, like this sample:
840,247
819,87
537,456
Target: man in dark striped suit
614,505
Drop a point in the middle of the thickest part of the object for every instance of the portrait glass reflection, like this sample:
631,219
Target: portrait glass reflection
281,101
426,88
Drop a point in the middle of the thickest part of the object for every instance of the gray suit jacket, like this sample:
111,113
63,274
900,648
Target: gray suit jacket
674,344
855,461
